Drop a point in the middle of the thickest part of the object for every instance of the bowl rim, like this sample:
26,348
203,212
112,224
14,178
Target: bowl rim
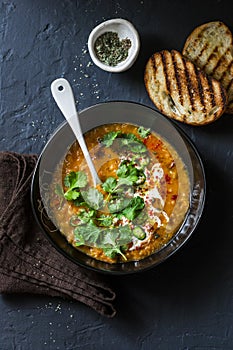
103,27
115,270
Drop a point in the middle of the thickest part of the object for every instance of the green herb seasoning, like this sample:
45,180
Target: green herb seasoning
110,49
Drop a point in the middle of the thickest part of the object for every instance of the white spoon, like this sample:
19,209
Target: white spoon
63,95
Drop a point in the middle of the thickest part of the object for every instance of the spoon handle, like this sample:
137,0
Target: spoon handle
63,95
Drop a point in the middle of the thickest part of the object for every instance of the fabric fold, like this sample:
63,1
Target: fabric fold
29,264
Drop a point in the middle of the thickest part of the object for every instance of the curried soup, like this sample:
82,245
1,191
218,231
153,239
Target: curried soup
141,203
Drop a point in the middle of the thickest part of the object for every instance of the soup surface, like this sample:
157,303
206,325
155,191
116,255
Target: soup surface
141,203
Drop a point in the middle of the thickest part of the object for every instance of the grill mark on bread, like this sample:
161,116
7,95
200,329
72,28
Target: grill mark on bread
185,83
229,85
154,69
223,77
153,64
222,63
198,58
211,91
215,73
190,84
211,57
223,94
167,81
200,88
177,77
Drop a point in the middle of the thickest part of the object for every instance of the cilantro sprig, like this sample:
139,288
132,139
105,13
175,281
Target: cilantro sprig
114,241
130,141
110,137
74,181
143,132
127,140
133,208
93,198
128,173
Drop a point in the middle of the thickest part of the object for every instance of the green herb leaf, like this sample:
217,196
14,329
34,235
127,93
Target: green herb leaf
114,239
79,240
109,185
87,234
125,235
128,138
143,132
86,216
123,169
93,198
109,238
71,194
138,148
111,252
143,160
134,208
132,142
130,175
110,247
74,181
118,204
110,137
80,202
105,220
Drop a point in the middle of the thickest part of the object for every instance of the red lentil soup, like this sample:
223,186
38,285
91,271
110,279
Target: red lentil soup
141,203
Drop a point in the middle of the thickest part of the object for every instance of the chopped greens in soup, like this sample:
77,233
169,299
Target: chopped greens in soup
141,203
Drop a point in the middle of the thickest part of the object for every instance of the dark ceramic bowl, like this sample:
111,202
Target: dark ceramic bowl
112,112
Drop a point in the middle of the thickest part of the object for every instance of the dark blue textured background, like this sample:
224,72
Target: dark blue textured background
185,303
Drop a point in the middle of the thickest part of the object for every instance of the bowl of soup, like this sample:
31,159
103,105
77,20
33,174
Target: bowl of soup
150,198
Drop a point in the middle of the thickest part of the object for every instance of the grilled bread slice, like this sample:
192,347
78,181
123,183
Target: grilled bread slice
182,91
210,47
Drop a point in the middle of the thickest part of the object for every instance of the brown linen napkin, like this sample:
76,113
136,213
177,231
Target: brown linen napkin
28,262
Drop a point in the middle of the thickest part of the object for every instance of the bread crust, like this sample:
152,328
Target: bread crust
182,91
210,47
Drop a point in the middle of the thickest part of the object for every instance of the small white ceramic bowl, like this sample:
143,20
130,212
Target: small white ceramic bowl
125,29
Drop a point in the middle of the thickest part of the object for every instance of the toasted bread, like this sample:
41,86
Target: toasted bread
210,47
182,91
